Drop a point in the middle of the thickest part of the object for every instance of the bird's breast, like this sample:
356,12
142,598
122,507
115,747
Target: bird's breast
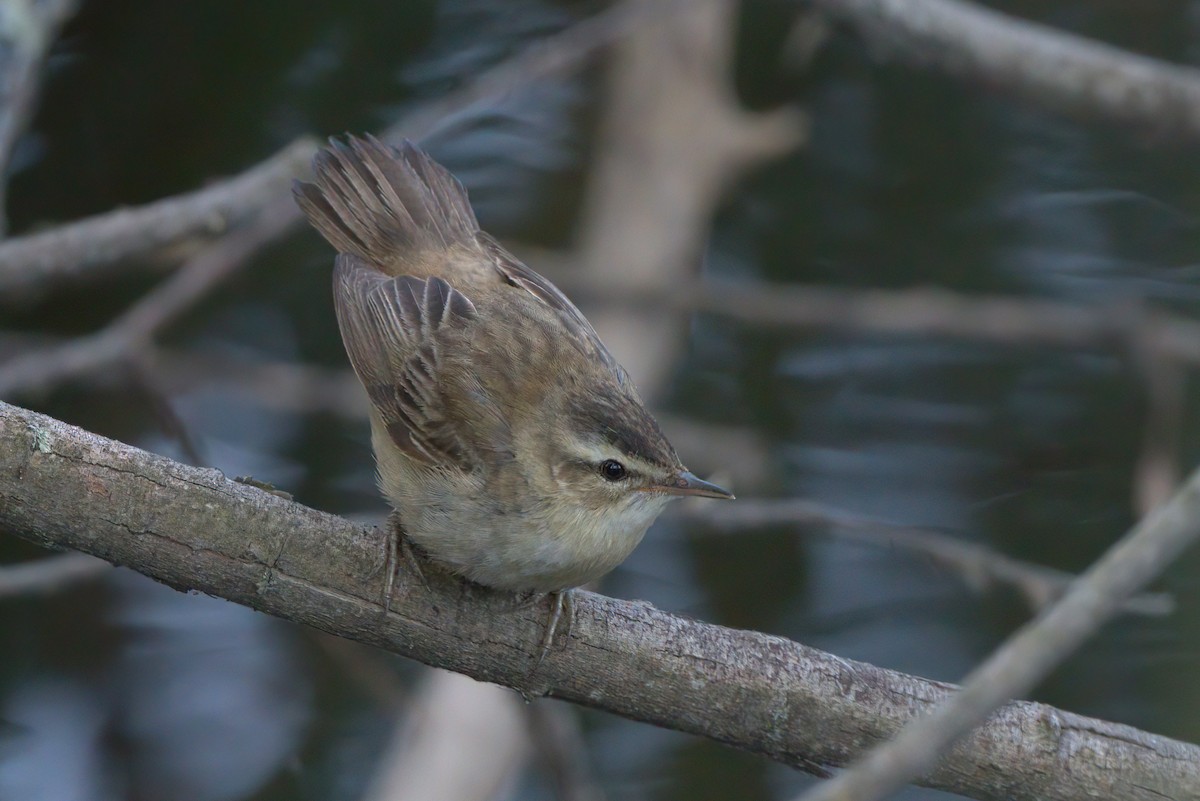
542,546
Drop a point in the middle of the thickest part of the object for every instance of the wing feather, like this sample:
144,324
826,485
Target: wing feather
520,276
393,329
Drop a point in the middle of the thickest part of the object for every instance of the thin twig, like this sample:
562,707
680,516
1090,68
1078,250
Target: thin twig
979,565
1024,660
1002,320
169,421
111,345
557,54
49,574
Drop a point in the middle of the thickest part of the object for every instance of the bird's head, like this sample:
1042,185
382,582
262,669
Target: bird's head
610,455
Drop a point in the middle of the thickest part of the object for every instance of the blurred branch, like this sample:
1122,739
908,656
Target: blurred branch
27,30
558,736
122,337
557,54
673,135
32,263
1029,655
1057,70
1156,474
284,386
365,667
917,312
728,449
194,529
980,566
922,311
461,740
1031,59
49,575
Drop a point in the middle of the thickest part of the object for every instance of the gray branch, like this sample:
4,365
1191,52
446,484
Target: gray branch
1062,72
48,575
978,565
125,336
1017,666
32,263
27,30
194,529
920,312
1056,69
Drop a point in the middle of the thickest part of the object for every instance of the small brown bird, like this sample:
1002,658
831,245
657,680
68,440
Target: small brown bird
514,448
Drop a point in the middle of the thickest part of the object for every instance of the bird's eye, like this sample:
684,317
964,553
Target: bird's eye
613,470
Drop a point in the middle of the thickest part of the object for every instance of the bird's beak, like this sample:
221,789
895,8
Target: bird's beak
686,483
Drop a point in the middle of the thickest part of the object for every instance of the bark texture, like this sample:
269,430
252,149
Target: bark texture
194,529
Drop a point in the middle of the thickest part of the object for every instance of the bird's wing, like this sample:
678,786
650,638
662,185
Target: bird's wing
518,275
393,329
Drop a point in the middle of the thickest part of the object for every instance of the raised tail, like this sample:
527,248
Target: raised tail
385,204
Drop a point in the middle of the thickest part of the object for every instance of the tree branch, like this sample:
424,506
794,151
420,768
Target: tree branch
921,311
194,529
1059,71
1054,68
120,339
1024,659
31,263
50,574
27,30
978,565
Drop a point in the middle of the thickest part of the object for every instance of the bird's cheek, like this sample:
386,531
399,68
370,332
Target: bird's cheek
647,501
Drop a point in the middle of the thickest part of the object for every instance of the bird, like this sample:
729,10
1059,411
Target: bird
514,449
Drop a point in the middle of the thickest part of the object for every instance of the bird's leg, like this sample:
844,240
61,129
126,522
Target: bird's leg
562,609
399,551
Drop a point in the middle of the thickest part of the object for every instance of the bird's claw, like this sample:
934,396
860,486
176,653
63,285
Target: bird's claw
562,610
399,551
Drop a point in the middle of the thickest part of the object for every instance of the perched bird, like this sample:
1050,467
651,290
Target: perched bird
513,447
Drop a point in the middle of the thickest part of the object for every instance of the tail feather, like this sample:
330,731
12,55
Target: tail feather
382,203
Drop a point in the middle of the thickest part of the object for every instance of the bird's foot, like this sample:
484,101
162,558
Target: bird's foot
562,611
400,551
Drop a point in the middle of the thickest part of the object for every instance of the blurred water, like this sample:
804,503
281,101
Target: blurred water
53,751
129,690
210,699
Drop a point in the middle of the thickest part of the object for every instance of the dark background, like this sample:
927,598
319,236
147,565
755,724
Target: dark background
125,689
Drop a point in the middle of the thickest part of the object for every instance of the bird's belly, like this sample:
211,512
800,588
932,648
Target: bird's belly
539,552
